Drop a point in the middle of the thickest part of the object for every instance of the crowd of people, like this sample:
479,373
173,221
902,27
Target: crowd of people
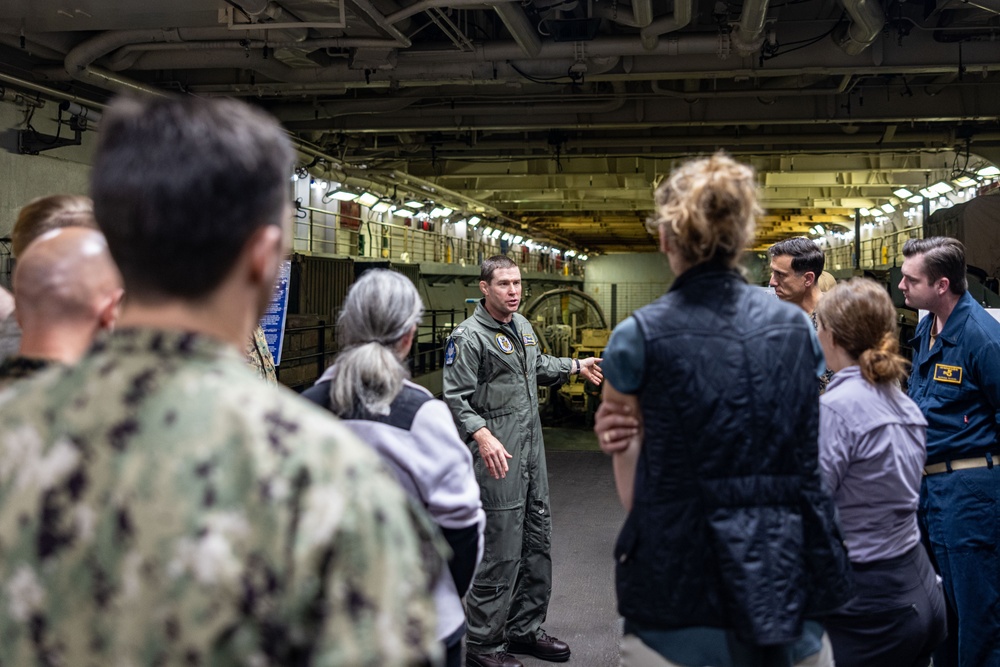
857,529
164,501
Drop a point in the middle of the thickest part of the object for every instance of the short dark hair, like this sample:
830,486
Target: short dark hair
490,265
944,257
179,186
805,254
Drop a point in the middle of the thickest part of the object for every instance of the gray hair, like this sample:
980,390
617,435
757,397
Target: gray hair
367,375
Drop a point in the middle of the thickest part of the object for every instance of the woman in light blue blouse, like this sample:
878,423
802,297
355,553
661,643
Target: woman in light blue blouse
872,449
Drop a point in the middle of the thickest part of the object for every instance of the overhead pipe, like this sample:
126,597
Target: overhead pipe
520,28
867,20
49,92
79,61
765,91
748,34
415,63
642,12
293,117
252,8
125,57
679,19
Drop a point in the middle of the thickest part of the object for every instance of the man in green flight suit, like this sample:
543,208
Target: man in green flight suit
492,371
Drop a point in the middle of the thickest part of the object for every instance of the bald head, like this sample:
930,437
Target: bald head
66,288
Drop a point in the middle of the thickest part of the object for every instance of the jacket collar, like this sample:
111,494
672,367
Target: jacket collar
712,269
483,317
955,326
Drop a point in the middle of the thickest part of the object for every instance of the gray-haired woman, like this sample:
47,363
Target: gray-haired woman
368,387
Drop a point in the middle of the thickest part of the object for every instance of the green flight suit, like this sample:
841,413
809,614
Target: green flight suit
491,379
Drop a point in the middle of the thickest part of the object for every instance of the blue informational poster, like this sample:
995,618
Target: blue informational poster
273,322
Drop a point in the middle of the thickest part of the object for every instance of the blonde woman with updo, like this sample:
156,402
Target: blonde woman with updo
709,411
872,449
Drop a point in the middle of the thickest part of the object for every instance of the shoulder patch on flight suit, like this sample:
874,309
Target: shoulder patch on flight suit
529,339
952,374
450,351
505,344
458,331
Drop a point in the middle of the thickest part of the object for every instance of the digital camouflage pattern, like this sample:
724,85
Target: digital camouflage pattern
161,506
259,357
17,368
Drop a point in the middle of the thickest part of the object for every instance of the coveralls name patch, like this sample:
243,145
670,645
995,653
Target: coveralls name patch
944,373
505,344
529,339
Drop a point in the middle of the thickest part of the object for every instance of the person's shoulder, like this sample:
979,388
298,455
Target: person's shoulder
768,309
982,324
465,328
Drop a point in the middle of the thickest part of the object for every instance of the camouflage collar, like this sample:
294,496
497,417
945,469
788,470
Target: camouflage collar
164,342
18,367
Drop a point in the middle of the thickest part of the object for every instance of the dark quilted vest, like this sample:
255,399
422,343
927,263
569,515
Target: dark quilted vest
730,527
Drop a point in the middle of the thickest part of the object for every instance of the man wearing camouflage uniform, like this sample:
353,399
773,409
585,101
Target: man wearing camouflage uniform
159,505
492,370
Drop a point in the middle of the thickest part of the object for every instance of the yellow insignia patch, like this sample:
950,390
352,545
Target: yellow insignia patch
952,374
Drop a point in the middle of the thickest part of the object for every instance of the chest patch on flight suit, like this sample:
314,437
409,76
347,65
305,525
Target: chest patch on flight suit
529,339
450,352
505,344
952,374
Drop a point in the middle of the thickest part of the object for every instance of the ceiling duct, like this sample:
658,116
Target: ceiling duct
520,28
866,23
748,34
680,18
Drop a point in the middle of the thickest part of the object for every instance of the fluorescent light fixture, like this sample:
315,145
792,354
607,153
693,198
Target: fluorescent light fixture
571,253
518,239
437,212
915,199
864,211
403,212
445,212
818,230
584,258
474,220
902,193
380,207
928,192
487,231
343,195
413,204
964,181
986,172
496,233
367,199
888,208
941,188
505,236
